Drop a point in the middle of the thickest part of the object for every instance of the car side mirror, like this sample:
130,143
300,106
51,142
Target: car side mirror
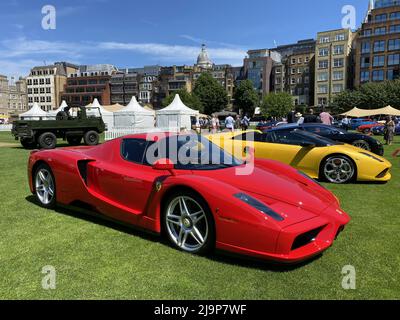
164,164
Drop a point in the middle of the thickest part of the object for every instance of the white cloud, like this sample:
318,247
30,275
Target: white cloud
16,54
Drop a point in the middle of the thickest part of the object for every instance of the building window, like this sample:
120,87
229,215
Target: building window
395,15
48,90
47,80
393,59
307,59
337,88
323,89
323,52
293,71
378,75
338,50
278,70
340,37
41,90
300,60
323,64
392,74
306,79
324,40
365,62
322,101
338,63
379,46
380,17
48,99
35,90
394,44
293,80
278,80
394,29
293,60
364,77
322,76
299,70
380,30
367,32
379,61
338,75
35,82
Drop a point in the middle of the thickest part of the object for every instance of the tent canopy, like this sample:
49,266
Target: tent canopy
176,116
178,107
134,115
34,112
358,113
96,104
61,108
135,107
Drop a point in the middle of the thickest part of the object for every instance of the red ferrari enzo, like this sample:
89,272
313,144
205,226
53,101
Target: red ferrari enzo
190,190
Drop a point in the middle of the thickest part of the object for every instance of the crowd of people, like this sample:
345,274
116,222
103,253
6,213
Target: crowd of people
296,117
214,125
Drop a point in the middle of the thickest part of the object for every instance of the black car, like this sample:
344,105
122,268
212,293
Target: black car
356,139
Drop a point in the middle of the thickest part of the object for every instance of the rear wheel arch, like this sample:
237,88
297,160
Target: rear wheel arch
320,174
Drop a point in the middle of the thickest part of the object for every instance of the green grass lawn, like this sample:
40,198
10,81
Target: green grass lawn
100,260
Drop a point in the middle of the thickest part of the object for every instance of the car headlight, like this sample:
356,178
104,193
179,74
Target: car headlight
258,205
371,156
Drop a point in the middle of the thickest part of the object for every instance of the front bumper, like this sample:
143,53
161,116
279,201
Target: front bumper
301,241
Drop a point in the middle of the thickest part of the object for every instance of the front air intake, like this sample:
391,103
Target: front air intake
306,238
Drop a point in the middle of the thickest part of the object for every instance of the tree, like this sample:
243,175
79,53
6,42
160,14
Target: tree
346,101
211,94
187,98
277,104
246,97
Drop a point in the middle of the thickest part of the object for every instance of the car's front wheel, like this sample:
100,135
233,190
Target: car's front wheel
362,144
45,186
189,223
338,169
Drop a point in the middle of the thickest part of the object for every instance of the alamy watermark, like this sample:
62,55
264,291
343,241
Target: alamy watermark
349,20
49,280
49,20
349,278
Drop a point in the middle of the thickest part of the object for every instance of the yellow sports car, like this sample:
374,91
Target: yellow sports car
318,157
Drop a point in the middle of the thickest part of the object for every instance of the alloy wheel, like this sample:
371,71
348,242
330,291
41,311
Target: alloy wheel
187,224
44,186
338,170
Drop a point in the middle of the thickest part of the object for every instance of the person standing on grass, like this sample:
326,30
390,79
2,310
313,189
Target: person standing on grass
346,123
230,123
245,122
214,124
389,131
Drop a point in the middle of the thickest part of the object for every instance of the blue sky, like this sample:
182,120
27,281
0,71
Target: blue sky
133,33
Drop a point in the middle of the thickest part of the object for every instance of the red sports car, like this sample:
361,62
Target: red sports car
173,185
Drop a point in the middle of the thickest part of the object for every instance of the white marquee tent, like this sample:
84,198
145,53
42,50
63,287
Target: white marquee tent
35,113
134,116
176,116
108,116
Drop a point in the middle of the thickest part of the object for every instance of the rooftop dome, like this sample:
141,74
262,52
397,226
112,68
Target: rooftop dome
203,60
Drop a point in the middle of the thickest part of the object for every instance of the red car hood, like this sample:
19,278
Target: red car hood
277,191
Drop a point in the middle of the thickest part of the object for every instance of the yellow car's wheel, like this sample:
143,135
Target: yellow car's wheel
338,169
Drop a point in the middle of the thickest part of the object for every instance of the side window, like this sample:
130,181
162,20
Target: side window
290,137
134,150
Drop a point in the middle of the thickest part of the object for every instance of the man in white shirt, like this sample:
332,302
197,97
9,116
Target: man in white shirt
230,123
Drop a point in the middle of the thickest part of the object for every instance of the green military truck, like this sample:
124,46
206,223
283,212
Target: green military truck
71,124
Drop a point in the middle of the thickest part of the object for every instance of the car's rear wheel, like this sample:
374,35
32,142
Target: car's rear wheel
338,169
91,138
74,141
45,186
362,144
189,223
48,140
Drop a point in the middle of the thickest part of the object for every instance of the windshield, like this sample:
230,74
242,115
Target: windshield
191,152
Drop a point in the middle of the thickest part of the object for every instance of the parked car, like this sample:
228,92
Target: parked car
317,156
355,123
337,134
367,128
379,131
274,213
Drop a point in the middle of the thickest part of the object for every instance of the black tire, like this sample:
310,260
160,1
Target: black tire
39,190
28,143
47,140
207,221
331,172
91,138
74,141
366,131
362,144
